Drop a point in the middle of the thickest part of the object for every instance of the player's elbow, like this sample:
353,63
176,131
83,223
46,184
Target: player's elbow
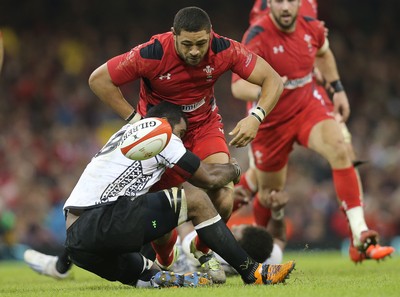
239,90
94,79
99,79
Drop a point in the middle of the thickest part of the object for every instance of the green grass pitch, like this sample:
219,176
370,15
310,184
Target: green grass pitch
326,274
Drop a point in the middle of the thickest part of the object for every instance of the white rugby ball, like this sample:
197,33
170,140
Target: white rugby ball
146,138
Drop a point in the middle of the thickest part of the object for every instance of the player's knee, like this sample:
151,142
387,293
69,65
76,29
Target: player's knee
163,239
339,153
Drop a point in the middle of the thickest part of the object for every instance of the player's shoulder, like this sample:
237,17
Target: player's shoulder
309,21
311,24
154,49
220,43
259,27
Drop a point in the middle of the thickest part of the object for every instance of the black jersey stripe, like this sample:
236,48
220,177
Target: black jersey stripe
308,18
152,51
253,32
219,44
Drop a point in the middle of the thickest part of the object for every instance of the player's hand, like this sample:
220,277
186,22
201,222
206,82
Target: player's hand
241,197
245,131
278,200
341,104
318,76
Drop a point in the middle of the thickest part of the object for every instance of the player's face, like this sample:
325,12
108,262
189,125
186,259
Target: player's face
192,46
180,129
284,13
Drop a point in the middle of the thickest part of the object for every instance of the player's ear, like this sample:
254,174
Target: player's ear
173,30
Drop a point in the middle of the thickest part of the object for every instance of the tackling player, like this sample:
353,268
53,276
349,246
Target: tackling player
110,215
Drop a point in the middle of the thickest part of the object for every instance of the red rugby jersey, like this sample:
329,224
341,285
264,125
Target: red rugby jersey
290,54
165,76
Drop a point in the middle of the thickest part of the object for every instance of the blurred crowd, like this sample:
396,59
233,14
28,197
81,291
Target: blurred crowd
51,123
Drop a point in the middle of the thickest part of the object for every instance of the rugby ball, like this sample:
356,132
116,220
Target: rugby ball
146,138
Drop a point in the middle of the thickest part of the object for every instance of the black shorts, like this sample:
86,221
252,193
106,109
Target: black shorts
106,239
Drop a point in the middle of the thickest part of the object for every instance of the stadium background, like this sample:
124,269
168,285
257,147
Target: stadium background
51,123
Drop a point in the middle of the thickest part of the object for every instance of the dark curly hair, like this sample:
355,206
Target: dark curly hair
257,242
172,112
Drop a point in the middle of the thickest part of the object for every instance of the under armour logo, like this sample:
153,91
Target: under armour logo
165,76
278,49
154,223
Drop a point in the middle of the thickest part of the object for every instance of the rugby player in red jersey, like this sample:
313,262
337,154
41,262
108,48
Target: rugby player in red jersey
247,187
182,67
292,44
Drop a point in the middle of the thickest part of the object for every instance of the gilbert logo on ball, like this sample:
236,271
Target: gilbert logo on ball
146,138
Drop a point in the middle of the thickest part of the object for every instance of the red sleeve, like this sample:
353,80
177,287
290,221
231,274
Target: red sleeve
320,31
126,67
245,60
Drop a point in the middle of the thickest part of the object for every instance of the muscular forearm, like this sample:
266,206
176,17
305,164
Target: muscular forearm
245,90
270,92
214,176
327,66
263,85
101,84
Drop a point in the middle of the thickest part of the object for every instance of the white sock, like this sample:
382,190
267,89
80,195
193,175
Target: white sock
357,223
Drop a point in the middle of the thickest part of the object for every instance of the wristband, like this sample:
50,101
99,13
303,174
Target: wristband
337,86
133,118
277,215
259,113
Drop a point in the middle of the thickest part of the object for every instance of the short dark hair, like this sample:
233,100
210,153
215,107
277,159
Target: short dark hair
257,242
191,19
172,112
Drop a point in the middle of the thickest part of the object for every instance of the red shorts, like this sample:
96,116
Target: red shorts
203,141
272,145
320,92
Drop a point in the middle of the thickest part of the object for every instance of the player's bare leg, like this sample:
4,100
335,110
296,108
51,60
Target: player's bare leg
326,138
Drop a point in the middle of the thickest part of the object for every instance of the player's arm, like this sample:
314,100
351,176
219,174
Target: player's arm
326,63
101,84
215,176
206,175
265,85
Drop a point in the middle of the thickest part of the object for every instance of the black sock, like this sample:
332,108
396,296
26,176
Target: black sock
63,263
219,238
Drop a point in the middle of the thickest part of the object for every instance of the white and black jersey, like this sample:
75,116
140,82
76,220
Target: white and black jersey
110,174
